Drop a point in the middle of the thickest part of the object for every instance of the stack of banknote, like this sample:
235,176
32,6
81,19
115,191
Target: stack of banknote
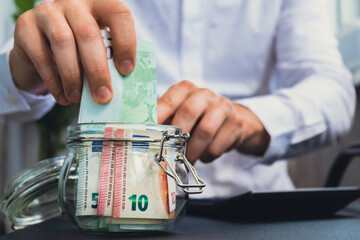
120,180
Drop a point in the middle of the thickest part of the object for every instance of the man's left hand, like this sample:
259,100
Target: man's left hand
216,124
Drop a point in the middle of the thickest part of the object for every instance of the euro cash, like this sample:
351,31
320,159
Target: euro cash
143,189
119,180
88,179
134,99
124,183
106,181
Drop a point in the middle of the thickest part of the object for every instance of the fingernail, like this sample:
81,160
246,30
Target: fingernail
62,100
103,94
75,95
126,67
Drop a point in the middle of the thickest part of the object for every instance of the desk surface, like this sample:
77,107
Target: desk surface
345,225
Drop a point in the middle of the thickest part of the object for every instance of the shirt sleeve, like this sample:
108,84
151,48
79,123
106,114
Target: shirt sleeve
15,104
313,102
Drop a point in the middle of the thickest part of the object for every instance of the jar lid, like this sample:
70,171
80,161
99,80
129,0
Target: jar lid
95,131
33,196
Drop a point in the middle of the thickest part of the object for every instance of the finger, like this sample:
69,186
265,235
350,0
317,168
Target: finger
63,47
206,130
118,17
223,141
92,52
30,40
227,137
168,121
190,111
168,104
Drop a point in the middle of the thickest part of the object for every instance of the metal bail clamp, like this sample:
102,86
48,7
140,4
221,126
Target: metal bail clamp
180,158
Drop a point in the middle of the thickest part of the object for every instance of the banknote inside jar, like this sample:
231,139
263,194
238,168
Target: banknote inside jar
116,181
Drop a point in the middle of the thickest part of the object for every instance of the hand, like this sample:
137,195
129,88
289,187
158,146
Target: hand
50,40
216,124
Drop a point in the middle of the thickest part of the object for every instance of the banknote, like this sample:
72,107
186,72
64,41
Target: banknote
88,179
121,180
106,181
143,189
120,159
134,99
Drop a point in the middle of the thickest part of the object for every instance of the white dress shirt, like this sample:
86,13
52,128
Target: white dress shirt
278,58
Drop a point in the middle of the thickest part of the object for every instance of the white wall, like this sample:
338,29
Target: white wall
349,11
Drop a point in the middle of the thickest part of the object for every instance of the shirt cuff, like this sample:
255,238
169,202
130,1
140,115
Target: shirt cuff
279,127
15,104
11,100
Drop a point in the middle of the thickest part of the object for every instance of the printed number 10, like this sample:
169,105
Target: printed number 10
143,202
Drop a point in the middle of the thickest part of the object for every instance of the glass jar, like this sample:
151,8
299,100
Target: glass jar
115,178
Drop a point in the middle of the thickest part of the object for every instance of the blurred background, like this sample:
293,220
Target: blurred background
22,145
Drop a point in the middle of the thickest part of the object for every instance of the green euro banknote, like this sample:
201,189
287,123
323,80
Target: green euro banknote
134,99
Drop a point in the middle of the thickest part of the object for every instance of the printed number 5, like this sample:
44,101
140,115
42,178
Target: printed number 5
95,199
143,202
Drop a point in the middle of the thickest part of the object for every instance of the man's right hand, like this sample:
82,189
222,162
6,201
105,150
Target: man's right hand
51,39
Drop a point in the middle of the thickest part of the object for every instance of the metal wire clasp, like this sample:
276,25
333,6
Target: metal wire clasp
180,158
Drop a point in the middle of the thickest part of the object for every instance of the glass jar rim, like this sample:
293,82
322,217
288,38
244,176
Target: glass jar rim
32,197
95,131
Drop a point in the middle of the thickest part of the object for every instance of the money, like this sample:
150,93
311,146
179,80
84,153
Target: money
143,189
121,158
134,99
127,182
107,169
120,181
88,179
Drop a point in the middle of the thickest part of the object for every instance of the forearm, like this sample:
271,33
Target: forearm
315,112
